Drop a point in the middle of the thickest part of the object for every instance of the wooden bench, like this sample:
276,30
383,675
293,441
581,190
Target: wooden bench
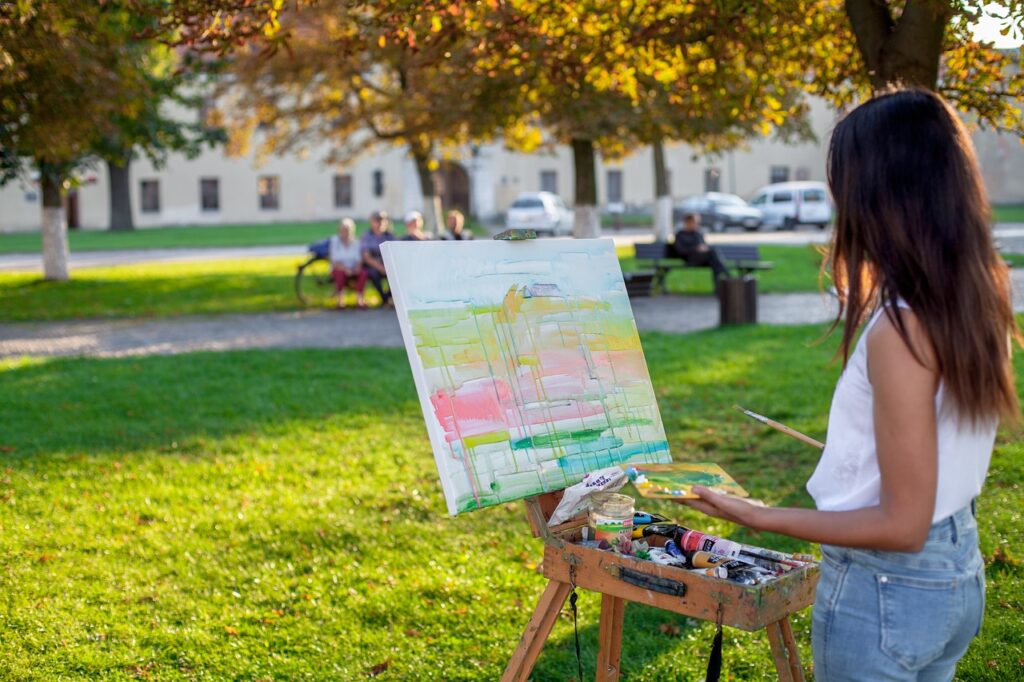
657,256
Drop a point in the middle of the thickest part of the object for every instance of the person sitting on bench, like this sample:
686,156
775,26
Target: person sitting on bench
689,245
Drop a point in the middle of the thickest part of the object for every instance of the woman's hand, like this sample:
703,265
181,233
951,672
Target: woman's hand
726,507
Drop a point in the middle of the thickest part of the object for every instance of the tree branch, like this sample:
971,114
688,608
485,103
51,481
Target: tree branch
872,25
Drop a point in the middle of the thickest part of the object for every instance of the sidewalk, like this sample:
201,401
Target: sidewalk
337,329
357,328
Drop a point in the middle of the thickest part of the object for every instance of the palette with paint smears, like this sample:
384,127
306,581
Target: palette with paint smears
675,481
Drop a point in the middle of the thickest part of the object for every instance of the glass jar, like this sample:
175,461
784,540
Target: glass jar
611,519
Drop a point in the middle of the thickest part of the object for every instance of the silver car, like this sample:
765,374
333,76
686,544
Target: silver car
719,211
544,212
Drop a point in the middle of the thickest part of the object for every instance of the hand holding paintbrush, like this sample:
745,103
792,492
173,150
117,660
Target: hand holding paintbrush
781,427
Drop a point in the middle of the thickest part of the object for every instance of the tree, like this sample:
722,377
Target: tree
54,58
149,128
64,82
613,76
357,75
929,44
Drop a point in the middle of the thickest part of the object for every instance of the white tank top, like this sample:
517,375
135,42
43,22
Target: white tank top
847,474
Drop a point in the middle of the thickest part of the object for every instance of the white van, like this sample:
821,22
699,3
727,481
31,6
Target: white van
788,204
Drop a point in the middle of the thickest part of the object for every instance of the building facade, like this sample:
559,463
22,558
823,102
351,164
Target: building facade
215,189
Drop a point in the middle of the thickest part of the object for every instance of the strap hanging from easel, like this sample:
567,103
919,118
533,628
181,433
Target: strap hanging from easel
575,627
715,660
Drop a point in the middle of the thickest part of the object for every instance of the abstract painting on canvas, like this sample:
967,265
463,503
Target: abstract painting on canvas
527,363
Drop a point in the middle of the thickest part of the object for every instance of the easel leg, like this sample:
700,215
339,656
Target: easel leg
784,651
609,651
536,633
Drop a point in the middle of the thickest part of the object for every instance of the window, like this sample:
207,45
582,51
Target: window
782,197
803,173
378,183
759,200
269,188
549,181
209,194
778,174
813,196
615,187
527,202
712,179
343,191
150,196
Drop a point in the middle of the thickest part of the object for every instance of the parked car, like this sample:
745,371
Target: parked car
718,211
788,204
544,212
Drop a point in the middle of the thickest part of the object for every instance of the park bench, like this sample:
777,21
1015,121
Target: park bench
658,258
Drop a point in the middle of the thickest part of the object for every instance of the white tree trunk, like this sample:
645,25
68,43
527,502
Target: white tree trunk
587,223
55,244
662,218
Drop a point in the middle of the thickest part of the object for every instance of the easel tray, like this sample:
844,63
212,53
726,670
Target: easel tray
747,607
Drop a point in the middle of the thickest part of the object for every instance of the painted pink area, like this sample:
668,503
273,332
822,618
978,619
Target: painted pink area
628,364
476,407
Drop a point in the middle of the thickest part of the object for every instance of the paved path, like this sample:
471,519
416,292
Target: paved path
335,329
351,328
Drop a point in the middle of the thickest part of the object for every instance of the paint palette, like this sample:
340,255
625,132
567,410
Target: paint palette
527,363
674,481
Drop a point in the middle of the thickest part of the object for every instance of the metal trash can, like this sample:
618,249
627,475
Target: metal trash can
737,300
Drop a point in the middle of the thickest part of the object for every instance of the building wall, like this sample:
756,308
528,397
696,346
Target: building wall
496,174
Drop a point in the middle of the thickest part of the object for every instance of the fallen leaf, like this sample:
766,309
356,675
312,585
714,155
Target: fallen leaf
412,632
379,668
233,632
670,629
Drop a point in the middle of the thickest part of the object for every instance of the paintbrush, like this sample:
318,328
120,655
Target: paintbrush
780,427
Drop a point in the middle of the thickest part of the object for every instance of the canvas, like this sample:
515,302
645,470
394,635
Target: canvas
527,363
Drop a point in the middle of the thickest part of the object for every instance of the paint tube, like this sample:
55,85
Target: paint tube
673,549
708,559
647,518
747,577
785,560
712,572
663,558
642,519
695,541
665,529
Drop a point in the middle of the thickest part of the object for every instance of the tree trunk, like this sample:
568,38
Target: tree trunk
55,227
662,195
587,224
904,51
120,195
431,202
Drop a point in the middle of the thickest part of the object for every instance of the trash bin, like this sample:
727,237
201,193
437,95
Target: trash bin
737,300
639,283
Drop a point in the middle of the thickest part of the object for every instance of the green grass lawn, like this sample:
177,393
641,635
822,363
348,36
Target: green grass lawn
267,284
276,515
1008,213
193,237
796,269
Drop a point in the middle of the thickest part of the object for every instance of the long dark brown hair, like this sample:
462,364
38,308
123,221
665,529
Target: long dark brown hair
912,223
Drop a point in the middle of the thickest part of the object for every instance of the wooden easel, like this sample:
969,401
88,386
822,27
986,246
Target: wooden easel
620,579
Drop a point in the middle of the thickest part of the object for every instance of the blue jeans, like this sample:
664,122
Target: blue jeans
900,615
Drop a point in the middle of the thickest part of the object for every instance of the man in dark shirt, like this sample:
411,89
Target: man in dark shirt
369,247
690,246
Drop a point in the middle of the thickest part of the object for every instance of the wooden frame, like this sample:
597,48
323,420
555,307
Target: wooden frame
620,579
